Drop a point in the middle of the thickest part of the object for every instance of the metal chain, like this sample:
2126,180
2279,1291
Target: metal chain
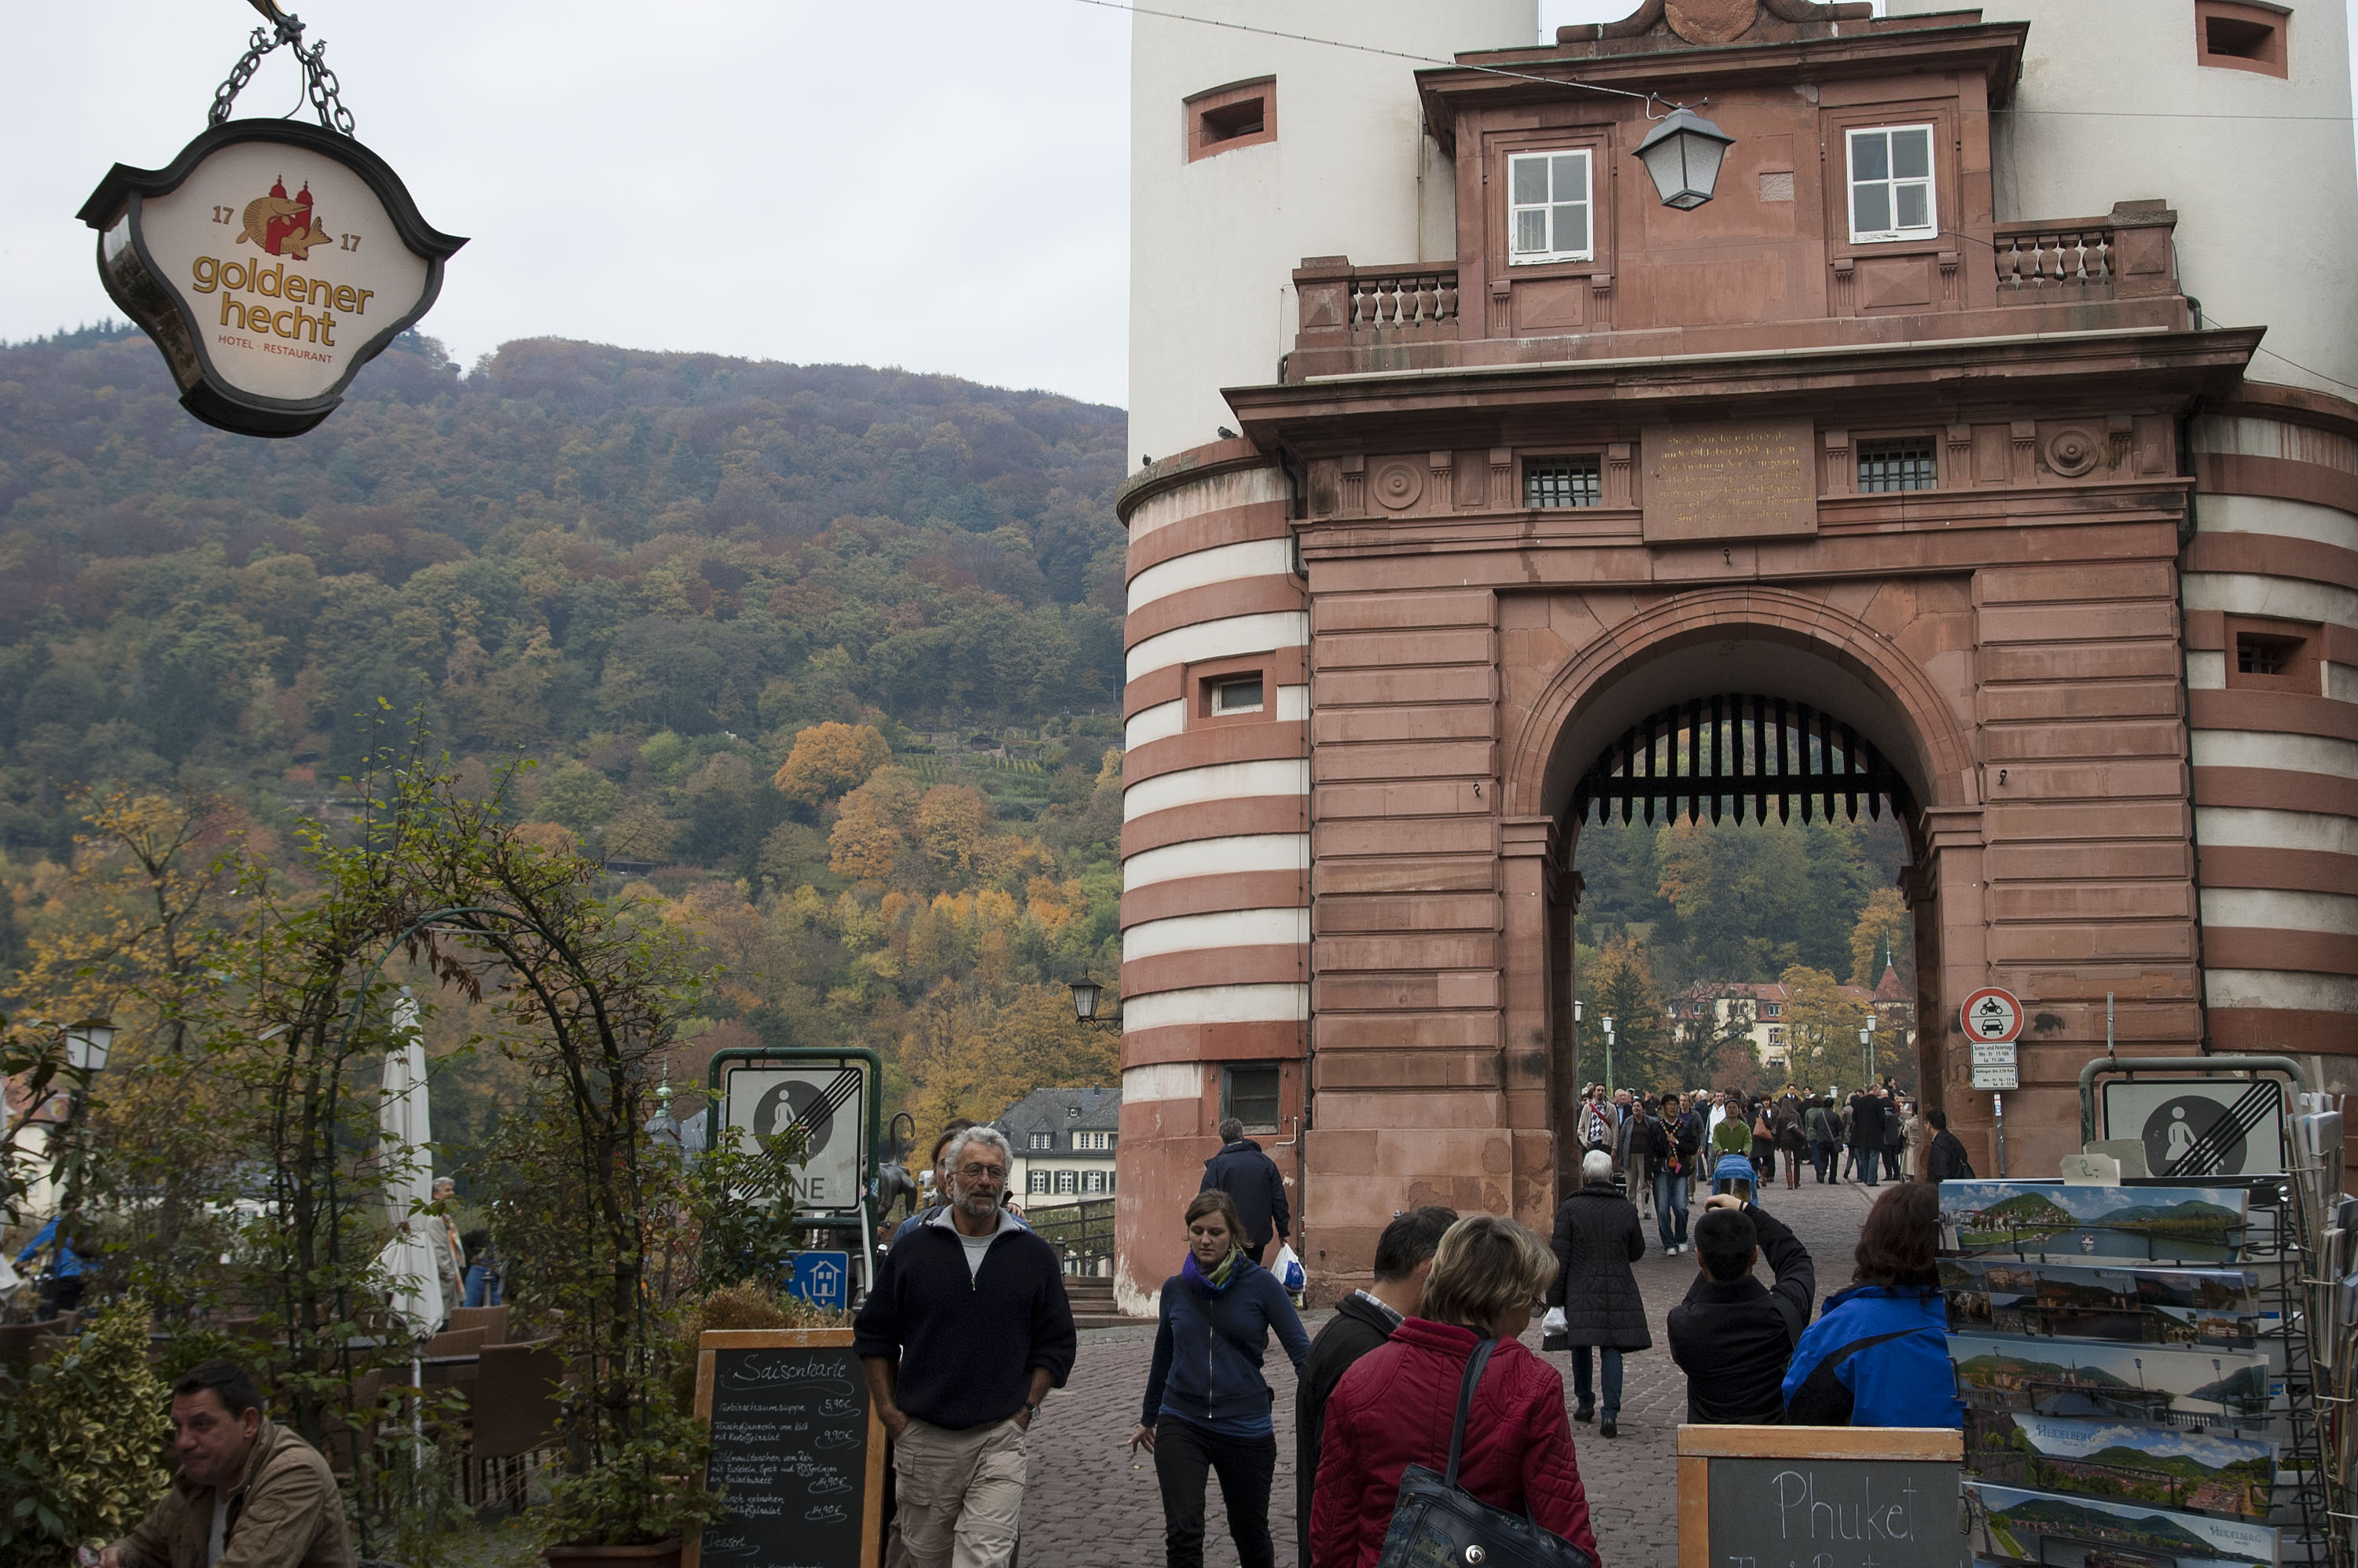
319,82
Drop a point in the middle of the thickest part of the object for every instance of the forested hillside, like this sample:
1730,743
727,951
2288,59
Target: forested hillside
648,573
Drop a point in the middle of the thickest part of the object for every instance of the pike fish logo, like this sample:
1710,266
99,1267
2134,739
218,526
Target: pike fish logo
284,226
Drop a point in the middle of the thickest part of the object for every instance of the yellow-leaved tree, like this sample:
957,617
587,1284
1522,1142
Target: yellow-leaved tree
975,1056
1883,927
828,759
1822,1023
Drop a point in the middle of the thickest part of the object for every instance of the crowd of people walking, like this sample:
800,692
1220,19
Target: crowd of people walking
1439,1325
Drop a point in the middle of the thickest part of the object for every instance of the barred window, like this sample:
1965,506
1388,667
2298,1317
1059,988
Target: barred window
1906,464
1563,482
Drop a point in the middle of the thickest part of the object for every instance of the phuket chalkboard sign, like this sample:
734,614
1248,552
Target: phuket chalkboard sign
797,1448
1821,1497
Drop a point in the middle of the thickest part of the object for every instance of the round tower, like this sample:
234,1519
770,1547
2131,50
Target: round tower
1248,153
2238,115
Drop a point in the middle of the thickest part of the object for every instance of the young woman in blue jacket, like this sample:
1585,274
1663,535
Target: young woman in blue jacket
1879,1354
1206,1406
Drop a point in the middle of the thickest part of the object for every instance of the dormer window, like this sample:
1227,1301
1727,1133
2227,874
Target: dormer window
1548,208
1891,184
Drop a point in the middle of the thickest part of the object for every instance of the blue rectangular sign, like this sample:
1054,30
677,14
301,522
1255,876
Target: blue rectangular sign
822,1278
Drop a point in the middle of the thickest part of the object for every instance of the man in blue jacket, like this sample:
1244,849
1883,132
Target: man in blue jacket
1251,1181
966,1332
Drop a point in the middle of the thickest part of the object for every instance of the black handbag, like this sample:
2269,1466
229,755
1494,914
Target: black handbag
1438,1524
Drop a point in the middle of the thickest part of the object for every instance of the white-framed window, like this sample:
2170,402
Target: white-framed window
1549,216
1098,1143
1038,1182
1241,696
1069,1181
1043,1141
1093,1181
1891,184
1772,1010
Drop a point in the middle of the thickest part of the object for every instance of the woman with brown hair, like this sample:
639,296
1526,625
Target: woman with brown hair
1878,1355
1207,1406
1396,1406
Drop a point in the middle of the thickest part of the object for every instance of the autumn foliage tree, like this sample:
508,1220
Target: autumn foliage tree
829,759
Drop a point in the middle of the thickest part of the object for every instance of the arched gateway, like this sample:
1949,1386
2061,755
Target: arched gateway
1724,511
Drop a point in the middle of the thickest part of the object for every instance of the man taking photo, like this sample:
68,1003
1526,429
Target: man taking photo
1733,1336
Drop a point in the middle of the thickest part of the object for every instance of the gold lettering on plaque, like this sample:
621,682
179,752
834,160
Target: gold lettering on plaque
1737,480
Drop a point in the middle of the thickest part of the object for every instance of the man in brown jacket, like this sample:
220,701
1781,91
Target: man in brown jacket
249,1494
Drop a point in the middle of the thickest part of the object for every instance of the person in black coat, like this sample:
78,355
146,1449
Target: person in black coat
1733,1336
1362,1320
1866,1119
1596,1238
1249,1178
1945,1160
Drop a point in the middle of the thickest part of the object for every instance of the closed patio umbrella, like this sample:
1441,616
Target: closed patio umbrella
403,1134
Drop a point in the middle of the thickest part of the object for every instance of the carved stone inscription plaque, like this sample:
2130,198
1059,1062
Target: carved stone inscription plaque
1751,480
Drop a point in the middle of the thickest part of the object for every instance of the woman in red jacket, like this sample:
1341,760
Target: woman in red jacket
1395,1406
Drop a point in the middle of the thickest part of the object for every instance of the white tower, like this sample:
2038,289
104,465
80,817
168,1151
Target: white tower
1334,161
2251,148
2238,115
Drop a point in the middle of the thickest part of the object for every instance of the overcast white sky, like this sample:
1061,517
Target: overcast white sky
934,184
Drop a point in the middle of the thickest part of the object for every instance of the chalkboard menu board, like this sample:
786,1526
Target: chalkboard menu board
1819,1496
796,1447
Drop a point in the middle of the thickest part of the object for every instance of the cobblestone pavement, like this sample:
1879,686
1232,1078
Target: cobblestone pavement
1091,1504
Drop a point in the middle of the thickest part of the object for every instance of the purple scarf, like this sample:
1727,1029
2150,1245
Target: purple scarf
1218,1279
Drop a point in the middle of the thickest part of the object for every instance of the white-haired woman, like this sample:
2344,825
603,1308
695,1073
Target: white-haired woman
1597,1237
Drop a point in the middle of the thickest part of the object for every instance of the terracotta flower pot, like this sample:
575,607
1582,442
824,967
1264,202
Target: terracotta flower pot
588,1554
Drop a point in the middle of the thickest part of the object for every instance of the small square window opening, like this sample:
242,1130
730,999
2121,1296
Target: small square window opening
1237,696
1252,1096
1229,121
1891,184
2239,36
1906,464
1564,481
2259,655
1548,208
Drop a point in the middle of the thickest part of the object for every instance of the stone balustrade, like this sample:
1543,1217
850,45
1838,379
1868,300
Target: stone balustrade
2124,254
1341,305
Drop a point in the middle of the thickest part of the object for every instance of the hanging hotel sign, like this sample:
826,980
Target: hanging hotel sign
271,259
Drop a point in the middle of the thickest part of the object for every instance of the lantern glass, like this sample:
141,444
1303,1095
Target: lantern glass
1682,154
1085,1000
88,1046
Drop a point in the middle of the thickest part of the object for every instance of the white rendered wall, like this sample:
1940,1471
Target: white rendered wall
1213,243
2261,170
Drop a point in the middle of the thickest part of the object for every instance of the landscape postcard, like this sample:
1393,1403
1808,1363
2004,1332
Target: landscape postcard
2087,1533
2148,1305
2083,1224
2166,1466
2099,1380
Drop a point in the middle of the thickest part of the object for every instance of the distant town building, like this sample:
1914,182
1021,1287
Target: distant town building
1725,1008
1064,1141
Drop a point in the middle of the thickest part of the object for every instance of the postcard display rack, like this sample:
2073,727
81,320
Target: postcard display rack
2138,1372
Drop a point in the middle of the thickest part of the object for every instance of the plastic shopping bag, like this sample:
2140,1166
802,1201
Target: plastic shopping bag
1288,1268
1553,1335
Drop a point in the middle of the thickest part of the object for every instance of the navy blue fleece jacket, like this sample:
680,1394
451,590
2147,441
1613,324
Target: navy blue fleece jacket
1208,1352
967,1342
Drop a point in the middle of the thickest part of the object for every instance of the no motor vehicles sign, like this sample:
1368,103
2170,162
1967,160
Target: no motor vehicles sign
1992,1017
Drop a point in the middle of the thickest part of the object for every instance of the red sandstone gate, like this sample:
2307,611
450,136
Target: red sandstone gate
1492,517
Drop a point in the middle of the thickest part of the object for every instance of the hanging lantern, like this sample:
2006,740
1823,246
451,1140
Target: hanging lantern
272,258
1683,154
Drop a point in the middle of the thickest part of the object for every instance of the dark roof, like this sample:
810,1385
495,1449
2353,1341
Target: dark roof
1051,1110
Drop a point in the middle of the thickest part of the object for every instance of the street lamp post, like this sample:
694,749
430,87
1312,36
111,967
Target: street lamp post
1866,1041
1608,1058
1575,1034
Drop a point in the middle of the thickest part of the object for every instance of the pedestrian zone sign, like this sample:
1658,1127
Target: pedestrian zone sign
822,1278
1992,1016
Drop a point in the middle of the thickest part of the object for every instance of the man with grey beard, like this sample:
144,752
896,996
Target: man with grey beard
963,1336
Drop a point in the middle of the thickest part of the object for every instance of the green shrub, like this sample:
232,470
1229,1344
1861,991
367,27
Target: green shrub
82,1442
